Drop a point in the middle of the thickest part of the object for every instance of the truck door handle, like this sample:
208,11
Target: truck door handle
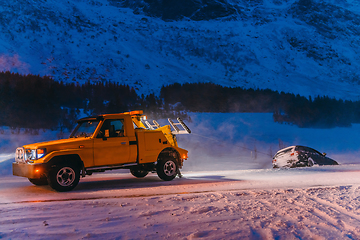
123,143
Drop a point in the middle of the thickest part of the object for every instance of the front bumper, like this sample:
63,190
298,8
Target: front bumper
28,170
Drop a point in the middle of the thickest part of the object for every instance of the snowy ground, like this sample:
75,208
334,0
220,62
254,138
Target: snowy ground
308,203
229,190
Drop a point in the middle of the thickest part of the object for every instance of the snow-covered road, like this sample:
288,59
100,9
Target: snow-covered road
306,203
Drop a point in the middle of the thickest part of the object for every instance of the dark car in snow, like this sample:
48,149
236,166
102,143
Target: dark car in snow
300,156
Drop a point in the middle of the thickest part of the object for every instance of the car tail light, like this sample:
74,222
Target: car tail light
296,152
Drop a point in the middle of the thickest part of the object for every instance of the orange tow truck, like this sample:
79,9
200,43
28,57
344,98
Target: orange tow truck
104,142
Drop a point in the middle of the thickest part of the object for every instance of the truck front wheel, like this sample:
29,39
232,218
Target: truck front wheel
167,169
38,181
64,178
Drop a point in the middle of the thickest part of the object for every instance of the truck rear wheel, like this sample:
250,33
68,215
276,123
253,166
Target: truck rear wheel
38,181
139,173
64,178
167,169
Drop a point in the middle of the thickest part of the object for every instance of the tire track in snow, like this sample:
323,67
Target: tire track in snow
333,214
285,212
353,189
239,214
339,210
311,212
111,197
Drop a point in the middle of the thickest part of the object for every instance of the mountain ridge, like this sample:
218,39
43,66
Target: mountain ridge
306,47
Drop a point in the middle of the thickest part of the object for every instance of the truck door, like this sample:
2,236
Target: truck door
111,146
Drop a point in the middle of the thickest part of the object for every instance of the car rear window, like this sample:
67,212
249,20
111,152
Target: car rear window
283,152
307,149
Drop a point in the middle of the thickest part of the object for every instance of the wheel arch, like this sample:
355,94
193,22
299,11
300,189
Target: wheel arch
66,159
169,152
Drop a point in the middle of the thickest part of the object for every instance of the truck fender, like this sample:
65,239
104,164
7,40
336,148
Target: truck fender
169,152
62,159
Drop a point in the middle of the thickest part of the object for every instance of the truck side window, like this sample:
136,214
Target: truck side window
115,128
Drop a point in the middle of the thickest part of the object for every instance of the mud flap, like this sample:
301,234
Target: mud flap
179,173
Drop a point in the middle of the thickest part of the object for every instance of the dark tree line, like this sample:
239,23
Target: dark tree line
320,112
30,101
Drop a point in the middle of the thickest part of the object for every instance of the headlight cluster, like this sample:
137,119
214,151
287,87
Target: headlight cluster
34,154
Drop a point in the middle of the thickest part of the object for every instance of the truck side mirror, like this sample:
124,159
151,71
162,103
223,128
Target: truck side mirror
107,133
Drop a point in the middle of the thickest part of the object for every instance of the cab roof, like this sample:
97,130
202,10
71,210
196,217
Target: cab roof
112,115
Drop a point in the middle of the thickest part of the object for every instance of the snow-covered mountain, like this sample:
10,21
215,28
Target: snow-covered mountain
310,47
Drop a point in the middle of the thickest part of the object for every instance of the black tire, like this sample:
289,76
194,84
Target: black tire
310,162
38,181
167,169
139,173
64,178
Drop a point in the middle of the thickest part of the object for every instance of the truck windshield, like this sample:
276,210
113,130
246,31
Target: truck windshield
84,129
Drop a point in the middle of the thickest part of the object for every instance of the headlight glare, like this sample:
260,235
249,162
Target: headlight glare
30,154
